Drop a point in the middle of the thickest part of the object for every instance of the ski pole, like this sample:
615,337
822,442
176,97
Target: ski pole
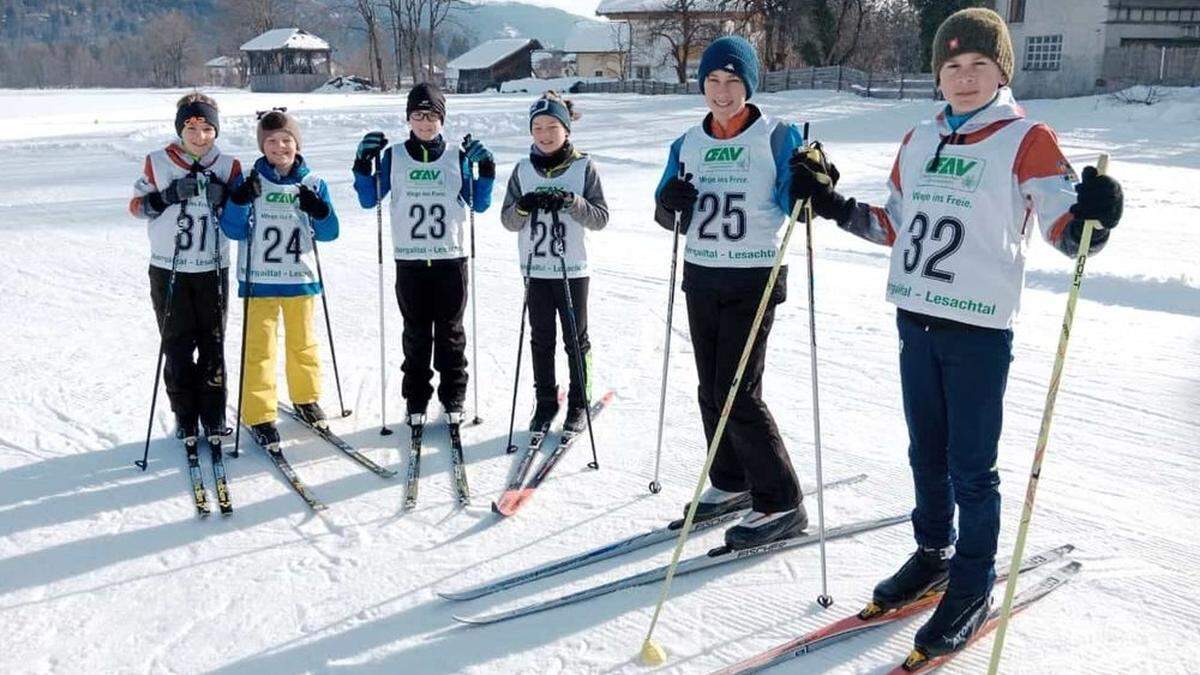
824,599
1035,473
337,380
221,309
383,427
512,415
252,223
474,319
162,340
559,247
655,486
652,653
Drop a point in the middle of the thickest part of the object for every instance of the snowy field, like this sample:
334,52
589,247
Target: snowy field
105,569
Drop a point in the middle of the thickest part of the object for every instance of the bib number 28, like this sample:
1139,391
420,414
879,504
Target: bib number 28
948,231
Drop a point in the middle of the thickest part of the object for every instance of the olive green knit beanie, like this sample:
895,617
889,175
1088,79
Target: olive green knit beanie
977,30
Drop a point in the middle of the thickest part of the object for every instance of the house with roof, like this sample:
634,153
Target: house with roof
653,28
490,64
599,49
1080,47
287,60
224,71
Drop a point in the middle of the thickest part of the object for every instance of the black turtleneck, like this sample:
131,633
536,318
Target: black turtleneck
425,151
544,163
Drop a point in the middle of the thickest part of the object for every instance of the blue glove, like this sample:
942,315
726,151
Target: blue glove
477,153
371,145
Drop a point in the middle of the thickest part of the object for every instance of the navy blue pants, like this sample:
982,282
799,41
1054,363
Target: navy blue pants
953,378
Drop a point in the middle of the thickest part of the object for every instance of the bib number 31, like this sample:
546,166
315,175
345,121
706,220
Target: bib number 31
948,230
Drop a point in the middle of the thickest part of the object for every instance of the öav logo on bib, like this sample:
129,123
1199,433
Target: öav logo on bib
281,198
954,172
425,175
727,157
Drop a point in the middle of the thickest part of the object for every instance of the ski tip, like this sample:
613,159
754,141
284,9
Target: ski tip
454,596
472,620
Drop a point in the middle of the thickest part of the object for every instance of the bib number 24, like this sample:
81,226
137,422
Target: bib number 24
948,231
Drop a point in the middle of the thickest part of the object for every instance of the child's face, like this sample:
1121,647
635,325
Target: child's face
198,136
280,149
969,81
548,134
725,94
425,124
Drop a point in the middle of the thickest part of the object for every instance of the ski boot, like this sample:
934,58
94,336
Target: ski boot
925,570
759,528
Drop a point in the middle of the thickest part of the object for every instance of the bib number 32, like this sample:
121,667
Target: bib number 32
948,231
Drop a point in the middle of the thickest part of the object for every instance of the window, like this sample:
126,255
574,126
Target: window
1016,11
643,72
1043,52
599,73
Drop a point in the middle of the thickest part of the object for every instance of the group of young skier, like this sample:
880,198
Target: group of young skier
966,190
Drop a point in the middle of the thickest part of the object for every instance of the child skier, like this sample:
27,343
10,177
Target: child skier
181,192
287,210
553,198
732,205
967,188
433,188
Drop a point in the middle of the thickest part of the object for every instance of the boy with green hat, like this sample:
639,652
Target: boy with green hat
966,190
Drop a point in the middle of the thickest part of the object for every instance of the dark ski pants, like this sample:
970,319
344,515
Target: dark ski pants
193,342
433,297
751,455
953,378
547,300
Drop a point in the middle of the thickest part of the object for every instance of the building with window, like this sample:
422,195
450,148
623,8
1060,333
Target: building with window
1079,47
491,63
656,29
287,60
597,49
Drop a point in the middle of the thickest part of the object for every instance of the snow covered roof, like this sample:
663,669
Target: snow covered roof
286,38
491,53
597,37
648,6
223,62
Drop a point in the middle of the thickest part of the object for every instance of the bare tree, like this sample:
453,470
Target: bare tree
363,16
172,42
683,26
406,21
438,11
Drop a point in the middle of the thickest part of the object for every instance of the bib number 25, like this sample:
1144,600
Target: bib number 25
948,231
727,207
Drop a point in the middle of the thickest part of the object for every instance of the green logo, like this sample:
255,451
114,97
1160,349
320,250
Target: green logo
426,175
727,155
959,173
281,198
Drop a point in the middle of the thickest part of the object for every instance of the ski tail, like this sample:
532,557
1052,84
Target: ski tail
199,492
224,501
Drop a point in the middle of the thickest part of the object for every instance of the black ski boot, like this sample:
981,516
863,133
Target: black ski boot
266,435
925,570
543,414
715,502
957,619
312,413
758,528
576,420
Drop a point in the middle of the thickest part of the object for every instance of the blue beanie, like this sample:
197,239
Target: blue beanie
733,54
553,107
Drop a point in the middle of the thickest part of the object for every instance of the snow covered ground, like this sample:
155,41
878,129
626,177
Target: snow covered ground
106,569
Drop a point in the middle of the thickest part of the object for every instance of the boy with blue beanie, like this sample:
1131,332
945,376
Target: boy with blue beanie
729,176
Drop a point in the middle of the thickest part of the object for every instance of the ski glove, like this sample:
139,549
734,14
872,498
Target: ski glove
679,196
215,193
248,191
1099,199
529,202
369,149
181,189
556,199
477,153
312,204
815,177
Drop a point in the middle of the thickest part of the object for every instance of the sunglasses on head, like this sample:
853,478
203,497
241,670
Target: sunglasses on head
263,113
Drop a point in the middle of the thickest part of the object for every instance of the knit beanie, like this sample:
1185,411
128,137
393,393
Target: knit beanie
552,106
732,54
195,109
275,121
426,96
978,30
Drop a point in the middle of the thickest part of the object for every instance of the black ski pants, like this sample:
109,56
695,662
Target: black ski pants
193,342
433,297
547,300
751,455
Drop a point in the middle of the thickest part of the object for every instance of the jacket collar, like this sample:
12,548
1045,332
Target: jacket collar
1002,108
267,171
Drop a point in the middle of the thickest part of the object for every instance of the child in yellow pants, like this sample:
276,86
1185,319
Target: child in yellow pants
278,213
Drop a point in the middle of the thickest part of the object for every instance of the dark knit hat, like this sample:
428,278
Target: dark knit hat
552,106
275,121
426,96
978,30
196,109
733,54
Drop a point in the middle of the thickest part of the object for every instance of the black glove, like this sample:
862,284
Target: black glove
556,199
248,191
1099,199
815,177
181,189
216,192
529,202
679,196
312,204
369,149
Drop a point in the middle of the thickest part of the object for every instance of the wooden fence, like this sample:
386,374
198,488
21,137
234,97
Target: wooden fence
838,78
